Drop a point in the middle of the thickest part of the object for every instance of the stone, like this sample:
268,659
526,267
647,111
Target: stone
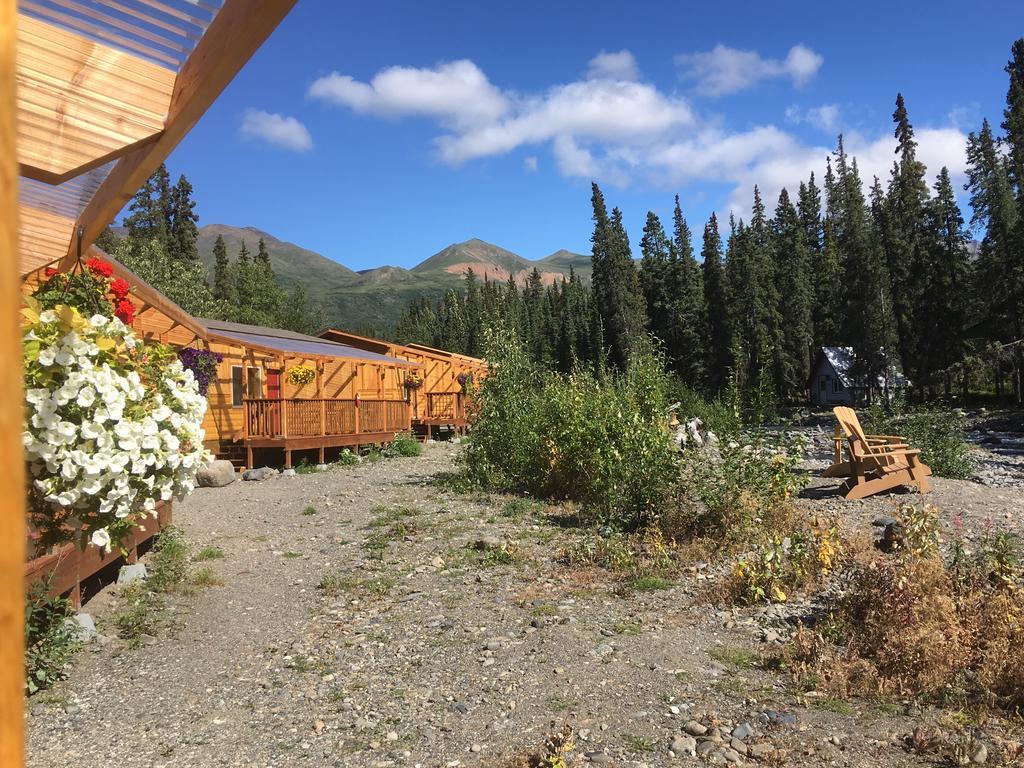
743,731
494,643
694,728
261,473
771,717
290,472
980,754
705,748
738,745
598,758
761,751
487,543
684,745
730,755
131,573
83,626
322,467
216,474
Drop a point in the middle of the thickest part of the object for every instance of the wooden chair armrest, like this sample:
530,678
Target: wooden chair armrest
886,438
897,450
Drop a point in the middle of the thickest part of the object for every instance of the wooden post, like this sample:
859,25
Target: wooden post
12,503
357,404
284,416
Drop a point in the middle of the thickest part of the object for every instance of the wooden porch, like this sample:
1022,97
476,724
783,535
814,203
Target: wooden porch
299,424
444,409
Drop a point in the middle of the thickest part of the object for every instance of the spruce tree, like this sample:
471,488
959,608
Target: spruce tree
244,285
223,286
792,268
944,278
688,310
656,279
717,338
616,285
183,234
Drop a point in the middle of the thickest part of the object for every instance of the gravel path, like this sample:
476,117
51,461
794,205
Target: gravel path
451,636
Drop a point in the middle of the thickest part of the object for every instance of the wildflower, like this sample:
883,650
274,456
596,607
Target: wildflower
120,288
99,268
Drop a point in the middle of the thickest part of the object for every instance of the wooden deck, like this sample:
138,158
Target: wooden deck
444,409
299,424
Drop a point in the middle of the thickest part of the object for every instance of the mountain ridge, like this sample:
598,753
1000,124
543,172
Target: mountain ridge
375,297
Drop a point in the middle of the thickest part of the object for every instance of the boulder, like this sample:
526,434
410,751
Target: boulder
261,473
216,474
82,626
131,573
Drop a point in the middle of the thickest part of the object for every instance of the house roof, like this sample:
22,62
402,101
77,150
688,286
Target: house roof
842,359
292,343
355,340
446,353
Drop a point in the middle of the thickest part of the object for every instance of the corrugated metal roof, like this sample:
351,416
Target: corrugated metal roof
294,343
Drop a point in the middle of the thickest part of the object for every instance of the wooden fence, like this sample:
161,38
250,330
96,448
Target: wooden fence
272,418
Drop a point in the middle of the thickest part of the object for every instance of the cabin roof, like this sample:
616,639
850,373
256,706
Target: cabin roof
446,353
292,343
355,340
842,359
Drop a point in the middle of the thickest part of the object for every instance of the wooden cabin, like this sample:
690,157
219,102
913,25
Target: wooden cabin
439,402
355,396
833,380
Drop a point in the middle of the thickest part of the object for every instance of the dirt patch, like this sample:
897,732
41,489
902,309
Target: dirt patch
370,617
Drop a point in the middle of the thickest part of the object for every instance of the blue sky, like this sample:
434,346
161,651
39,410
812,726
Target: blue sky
378,133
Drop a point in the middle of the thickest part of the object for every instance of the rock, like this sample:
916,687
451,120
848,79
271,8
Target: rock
761,751
730,755
83,626
486,543
494,643
216,474
694,728
262,473
743,731
131,573
290,472
605,650
598,758
980,754
322,467
705,748
738,745
684,745
771,717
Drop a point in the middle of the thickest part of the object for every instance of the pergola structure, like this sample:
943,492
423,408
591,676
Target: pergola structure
94,95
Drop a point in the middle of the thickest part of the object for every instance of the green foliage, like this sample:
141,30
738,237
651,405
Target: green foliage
346,458
209,552
141,606
572,437
403,445
51,638
182,281
941,435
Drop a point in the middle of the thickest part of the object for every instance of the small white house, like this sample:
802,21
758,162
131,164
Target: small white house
831,382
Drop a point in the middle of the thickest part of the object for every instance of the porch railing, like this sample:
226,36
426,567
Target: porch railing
446,405
322,417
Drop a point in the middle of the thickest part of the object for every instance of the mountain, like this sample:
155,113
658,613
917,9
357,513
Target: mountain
374,298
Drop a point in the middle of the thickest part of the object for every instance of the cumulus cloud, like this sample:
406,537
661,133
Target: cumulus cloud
456,92
613,66
619,130
724,70
281,131
824,117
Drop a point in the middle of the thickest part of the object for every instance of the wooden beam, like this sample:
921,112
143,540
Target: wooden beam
12,504
238,29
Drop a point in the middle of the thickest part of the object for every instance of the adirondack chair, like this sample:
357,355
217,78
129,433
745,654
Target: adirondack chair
877,463
841,467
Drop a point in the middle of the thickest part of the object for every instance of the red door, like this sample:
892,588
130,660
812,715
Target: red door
274,393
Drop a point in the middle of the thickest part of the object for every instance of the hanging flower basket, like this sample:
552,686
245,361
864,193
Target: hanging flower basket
300,375
203,365
113,425
465,381
413,381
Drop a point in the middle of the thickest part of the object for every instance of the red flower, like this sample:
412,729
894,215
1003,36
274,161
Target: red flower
120,288
125,311
99,267
50,271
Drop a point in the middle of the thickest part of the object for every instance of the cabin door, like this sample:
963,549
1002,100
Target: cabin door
274,393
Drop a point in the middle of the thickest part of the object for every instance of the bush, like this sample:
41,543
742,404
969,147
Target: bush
603,443
940,434
916,623
403,445
51,638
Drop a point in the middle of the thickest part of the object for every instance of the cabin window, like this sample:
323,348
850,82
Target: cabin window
244,383
236,386
835,385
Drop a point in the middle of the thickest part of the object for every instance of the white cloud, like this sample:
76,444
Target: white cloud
619,131
456,92
824,117
281,131
724,70
613,66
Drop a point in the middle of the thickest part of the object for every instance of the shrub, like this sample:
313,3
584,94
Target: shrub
51,638
915,623
403,445
940,434
346,458
604,444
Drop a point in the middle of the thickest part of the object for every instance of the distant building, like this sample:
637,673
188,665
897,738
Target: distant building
832,383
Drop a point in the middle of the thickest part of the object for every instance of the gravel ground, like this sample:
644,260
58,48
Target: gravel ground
439,648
